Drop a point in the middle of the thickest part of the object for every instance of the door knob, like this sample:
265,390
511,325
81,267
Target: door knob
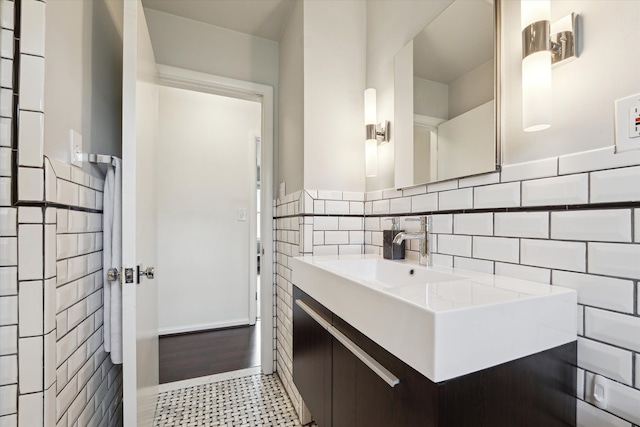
113,274
148,272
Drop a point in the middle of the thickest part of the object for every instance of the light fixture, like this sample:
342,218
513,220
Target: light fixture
543,45
374,132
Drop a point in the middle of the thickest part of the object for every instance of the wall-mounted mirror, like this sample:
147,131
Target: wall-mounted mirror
446,96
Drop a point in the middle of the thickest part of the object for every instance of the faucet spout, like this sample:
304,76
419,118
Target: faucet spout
422,236
405,235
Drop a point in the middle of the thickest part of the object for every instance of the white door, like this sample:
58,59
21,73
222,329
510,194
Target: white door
140,297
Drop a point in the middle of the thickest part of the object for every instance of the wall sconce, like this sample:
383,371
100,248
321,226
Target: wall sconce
543,45
374,132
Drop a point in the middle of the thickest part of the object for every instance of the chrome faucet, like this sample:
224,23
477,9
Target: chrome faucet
422,235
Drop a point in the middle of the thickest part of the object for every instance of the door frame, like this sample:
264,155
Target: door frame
219,85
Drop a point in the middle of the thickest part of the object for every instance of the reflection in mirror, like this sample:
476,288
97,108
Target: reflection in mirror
453,131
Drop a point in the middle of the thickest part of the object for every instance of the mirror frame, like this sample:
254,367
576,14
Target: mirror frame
400,104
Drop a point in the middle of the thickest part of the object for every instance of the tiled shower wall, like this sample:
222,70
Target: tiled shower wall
53,368
572,221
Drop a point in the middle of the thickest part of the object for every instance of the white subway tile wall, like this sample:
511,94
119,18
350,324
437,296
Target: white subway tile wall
89,386
54,368
475,181
570,189
593,160
498,195
598,291
455,199
592,225
9,299
530,170
615,185
554,254
616,328
522,224
607,360
590,416
424,202
580,322
478,224
496,248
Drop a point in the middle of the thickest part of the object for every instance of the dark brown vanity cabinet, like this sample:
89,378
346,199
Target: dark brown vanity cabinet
312,361
342,391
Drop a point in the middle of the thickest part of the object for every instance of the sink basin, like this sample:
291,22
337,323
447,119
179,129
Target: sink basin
381,273
443,322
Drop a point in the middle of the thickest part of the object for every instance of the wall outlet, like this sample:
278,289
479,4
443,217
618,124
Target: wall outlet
627,125
634,121
75,145
600,391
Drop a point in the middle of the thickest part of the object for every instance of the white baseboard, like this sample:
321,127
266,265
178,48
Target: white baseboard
202,326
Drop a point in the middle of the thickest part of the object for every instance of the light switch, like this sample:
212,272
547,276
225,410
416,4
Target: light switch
75,145
242,214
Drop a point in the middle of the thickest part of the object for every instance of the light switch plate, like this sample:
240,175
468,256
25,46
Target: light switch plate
75,145
242,214
627,132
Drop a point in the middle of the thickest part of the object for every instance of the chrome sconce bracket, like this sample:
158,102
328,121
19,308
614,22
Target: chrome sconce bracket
564,39
379,132
559,38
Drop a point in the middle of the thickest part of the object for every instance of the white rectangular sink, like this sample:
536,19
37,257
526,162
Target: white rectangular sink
443,322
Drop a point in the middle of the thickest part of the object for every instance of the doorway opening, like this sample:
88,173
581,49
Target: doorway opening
227,273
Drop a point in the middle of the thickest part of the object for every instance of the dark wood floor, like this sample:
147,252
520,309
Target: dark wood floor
205,353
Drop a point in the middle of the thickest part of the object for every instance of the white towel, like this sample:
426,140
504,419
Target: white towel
112,258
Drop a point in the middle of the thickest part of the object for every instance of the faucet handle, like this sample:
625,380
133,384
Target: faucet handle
424,222
396,223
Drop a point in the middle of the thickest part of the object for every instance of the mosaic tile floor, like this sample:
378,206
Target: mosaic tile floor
255,400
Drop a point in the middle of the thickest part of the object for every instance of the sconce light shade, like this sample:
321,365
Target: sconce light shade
536,65
371,142
370,115
536,92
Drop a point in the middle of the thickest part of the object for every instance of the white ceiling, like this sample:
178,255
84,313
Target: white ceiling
260,18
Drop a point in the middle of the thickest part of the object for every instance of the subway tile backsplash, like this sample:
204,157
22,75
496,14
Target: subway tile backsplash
568,190
592,225
497,195
568,221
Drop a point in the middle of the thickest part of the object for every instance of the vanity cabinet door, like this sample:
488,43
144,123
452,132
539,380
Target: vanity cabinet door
312,353
360,397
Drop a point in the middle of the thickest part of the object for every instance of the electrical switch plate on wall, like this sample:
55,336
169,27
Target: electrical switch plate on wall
75,145
242,214
627,125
